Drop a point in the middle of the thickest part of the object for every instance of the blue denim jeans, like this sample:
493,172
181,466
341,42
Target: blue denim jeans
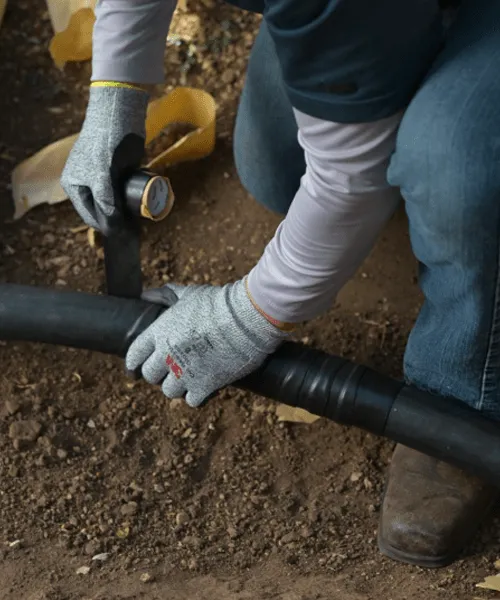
447,165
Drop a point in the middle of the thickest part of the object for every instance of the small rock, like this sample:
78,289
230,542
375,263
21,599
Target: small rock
92,547
159,489
228,76
288,538
62,454
356,477
146,577
232,533
181,518
16,544
368,484
111,438
14,471
91,423
83,571
12,406
176,403
42,502
192,564
103,557
24,433
129,509
193,541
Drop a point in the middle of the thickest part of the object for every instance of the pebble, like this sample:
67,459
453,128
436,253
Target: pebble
129,509
181,518
146,577
192,564
12,406
92,547
24,433
103,557
288,538
356,477
14,471
176,403
232,533
83,571
62,454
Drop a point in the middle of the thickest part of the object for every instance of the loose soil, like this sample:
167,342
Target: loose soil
224,502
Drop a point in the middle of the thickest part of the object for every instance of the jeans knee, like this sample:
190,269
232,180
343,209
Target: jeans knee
268,157
446,166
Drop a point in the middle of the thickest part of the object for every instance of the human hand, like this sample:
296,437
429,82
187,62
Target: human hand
109,148
208,339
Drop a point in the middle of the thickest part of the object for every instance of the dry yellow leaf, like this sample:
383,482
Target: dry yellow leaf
37,180
60,11
490,583
75,42
3,4
183,105
294,415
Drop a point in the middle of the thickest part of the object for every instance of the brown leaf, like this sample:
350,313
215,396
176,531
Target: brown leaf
73,23
294,415
79,229
37,179
490,583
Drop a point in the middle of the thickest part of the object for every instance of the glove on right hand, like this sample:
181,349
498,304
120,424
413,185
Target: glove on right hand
209,338
109,148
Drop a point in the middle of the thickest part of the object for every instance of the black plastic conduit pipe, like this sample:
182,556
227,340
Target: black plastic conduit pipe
322,384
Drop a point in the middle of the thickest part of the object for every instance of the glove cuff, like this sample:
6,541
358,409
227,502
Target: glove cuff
117,109
118,84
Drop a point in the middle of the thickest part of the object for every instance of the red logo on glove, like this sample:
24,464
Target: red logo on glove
174,367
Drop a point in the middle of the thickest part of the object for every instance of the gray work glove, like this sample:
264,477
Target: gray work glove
110,146
211,337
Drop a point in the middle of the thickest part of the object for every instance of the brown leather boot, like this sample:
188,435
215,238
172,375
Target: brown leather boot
431,509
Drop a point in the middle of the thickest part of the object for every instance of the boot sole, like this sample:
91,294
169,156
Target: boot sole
427,562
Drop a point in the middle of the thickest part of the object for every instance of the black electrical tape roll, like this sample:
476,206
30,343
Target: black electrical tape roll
134,191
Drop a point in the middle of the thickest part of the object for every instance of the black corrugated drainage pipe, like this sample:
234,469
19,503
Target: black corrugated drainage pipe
324,385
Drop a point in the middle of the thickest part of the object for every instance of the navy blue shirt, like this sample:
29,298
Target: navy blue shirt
352,60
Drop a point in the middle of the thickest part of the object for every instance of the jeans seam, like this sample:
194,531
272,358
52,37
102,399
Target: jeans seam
493,341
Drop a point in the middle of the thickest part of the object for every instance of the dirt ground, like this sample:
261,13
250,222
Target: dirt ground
220,503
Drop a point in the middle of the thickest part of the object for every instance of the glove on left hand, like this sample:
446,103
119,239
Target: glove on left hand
211,337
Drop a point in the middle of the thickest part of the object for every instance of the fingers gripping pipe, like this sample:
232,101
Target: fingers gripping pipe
324,385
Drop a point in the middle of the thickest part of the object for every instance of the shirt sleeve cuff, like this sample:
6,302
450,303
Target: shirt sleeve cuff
139,71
